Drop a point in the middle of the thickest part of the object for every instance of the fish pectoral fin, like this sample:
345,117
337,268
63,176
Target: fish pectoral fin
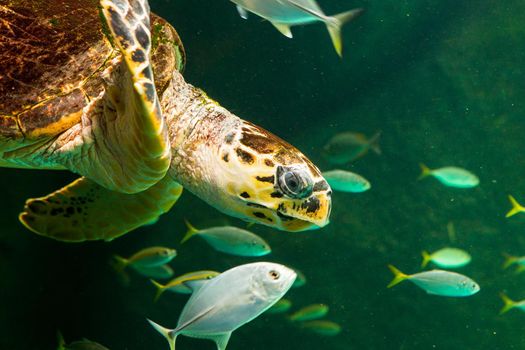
284,29
193,320
242,12
221,340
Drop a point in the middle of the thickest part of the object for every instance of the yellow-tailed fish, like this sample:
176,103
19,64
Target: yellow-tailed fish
177,285
438,282
509,304
346,181
148,257
280,307
160,272
449,258
451,176
322,327
348,146
284,14
310,312
230,240
516,207
226,302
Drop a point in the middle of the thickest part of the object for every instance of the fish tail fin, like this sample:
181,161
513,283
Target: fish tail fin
160,290
519,269
190,233
516,207
426,258
119,264
169,334
508,303
509,260
425,171
398,276
334,25
374,143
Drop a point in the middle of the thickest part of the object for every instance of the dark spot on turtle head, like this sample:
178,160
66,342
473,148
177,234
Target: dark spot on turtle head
138,56
70,210
256,205
269,163
276,195
142,37
284,217
320,186
226,157
119,28
311,205
245,195
229,138
244,156
150,91
270,179
258,143
259,215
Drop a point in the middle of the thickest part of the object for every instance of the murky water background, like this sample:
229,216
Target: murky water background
443,81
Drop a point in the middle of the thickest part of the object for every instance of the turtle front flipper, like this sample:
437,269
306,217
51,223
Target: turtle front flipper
122,142
84,210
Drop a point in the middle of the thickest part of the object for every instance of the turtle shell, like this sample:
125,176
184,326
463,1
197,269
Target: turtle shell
52,55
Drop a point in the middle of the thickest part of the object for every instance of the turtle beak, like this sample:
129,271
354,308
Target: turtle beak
306,214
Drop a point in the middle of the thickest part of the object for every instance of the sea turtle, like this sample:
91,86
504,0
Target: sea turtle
96,88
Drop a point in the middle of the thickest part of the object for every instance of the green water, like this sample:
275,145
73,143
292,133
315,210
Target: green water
445,84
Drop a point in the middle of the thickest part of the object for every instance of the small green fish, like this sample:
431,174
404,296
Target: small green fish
286,13
516,207
511,304
446,258
83,344
349,146
148,257
310,312
160,272
346,181
280,307
322,327
451,176
438,282
177,285
231,240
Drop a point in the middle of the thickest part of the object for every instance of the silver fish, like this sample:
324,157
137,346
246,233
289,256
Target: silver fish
286,13
223,304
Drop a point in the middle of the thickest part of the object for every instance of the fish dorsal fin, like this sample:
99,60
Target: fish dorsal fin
191,321
284,29
242,12
221,340
195,285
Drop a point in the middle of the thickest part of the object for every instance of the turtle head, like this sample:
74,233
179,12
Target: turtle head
268,181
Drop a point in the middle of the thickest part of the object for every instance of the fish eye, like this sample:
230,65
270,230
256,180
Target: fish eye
294,182
274,275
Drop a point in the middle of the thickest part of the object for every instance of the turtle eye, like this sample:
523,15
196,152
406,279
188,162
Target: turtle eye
294,182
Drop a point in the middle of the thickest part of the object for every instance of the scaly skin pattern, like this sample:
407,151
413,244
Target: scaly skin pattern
233,164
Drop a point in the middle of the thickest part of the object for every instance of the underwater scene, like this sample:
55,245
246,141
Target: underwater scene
395,221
